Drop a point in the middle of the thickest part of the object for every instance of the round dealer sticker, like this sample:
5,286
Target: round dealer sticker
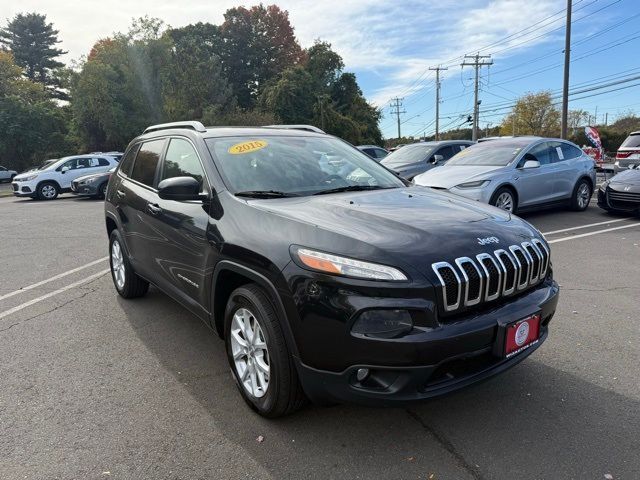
247,147
522,333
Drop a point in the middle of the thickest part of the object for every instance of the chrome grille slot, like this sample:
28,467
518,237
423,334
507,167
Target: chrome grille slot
545,257
523,266
451,285
510,269
467,281
536,259
492,275
472,281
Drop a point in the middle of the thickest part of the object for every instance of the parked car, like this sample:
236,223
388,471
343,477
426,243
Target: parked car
375,152
417,158
628,154
371,291
518,174
7,175
56,178
622,192
93,185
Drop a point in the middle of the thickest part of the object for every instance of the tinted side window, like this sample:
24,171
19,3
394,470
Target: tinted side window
541,152
380,153
127,160
369,151
182,160
103,162
569,151
144,167
447,152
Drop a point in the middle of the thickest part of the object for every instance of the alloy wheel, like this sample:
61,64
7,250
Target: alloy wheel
48,191
250,353
584,195
117,264
505,201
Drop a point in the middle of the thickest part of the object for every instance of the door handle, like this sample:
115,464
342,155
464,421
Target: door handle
154,209
120,193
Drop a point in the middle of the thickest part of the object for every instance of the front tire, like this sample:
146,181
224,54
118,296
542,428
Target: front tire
47,191
581,196
128,284
260,361
102,191
505,199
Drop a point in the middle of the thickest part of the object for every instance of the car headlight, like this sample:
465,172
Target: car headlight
348,267
478,184
604,185
90,180
26,179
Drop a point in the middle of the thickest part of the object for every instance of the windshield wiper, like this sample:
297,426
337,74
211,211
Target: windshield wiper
265,194
351,188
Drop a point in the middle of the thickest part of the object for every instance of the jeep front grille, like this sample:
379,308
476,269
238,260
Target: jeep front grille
469,281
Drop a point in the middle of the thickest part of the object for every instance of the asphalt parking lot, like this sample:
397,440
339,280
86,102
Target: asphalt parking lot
94,387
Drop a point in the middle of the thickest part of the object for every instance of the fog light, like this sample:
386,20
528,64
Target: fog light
383,323
362,373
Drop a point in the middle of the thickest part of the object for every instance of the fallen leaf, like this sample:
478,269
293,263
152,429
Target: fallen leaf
410,459
260,439
608,476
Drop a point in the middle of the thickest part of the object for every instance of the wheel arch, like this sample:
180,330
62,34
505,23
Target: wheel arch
49,180
229,275
589,181
511,187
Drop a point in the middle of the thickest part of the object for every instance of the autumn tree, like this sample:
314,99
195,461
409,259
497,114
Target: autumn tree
255,45
32,42
533,114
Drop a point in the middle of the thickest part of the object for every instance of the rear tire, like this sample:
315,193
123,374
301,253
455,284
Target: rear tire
102,191
128,284
505,199
257,351
581,196
47,191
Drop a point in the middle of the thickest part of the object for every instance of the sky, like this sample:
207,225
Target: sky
391,45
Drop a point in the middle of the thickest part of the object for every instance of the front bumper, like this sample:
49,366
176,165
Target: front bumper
619,202
24,189
441,354
482,194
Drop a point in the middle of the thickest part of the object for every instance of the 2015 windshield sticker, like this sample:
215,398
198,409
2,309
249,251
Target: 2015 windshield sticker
247,147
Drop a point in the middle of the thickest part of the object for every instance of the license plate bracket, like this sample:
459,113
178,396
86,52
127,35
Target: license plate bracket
515,337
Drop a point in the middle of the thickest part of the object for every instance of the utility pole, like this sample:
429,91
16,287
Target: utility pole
565,85
606,119
397,103
478,61
437,70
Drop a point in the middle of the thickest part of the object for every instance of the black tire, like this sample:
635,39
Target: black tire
102,191
132,285
499,195
578,201
283,394
47,191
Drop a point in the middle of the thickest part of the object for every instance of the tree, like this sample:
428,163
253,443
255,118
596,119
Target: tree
33,125
533,114
255,45
292,97
32,42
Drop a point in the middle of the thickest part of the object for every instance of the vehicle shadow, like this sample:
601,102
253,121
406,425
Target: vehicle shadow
534,421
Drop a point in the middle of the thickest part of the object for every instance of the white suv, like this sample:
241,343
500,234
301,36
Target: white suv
48,183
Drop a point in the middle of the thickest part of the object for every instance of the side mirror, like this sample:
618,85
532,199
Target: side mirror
436,159
179,188
64,169
531,164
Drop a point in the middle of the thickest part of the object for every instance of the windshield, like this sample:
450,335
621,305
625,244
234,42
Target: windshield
46,163
498,153
296,165
408,155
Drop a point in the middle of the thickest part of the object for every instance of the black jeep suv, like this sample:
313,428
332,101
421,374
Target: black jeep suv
327,276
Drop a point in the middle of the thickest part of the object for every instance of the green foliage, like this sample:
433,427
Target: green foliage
32,42
33,126
533,114
612,135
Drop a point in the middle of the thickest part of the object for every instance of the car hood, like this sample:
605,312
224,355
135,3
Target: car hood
415,226
84,178
627,177
449,176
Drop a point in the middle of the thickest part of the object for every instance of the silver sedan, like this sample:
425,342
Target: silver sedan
518,174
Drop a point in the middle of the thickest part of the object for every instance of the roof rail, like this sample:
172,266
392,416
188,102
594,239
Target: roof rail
197,126
308,128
